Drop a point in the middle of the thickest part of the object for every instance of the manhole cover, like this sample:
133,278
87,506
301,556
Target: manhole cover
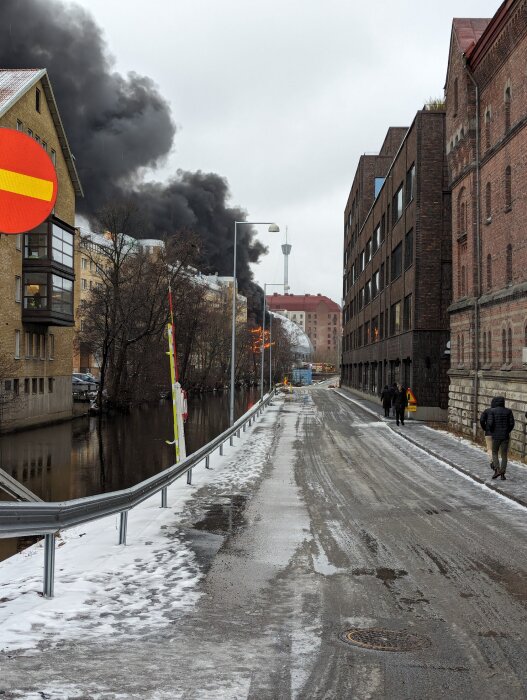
384,640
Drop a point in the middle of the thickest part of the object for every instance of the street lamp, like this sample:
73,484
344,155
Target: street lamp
273,228
272,284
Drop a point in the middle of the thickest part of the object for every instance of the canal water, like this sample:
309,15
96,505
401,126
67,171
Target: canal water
75,459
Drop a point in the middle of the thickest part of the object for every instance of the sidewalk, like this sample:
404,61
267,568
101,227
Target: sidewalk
458,453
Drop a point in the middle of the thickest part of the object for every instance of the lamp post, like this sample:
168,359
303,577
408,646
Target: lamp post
278,284
273,228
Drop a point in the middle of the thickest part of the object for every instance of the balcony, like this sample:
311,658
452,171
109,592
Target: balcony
48,274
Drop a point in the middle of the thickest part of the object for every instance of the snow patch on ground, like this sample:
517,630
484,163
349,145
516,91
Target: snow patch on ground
104,589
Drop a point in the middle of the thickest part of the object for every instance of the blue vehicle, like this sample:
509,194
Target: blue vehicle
301,377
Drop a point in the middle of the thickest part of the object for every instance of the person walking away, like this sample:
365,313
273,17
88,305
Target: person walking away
500,422
488,437
400,403
386,400
393,391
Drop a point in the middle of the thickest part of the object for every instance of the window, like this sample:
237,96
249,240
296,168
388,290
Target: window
62,246
16,387
367,292
397,205
37,100
367,338
456,97
35,290
410,184
41,385
19,125
17,345
36,243
407,313
27,386
18,289
408,249
395,318
507,110
30,132
463,349
360,337
503,346
7,385
53,156
489,272
508,271
51,346
84,264
361,297
34,385
361,262
51,381
487,129
379,182
62,295
368,250
508,188
381,325
18,241
375,284
396,262
376,240
488,201
489,347
484,347
29,347
375,329
43,348
509,346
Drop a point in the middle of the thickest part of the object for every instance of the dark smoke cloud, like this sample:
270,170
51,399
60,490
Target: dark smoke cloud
117,126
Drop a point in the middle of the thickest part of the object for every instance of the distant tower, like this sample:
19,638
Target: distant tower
286,249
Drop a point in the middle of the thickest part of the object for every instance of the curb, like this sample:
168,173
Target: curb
492,487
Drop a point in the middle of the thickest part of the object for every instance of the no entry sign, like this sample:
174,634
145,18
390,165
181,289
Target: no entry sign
28,182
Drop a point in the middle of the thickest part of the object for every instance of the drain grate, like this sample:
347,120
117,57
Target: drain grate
384,639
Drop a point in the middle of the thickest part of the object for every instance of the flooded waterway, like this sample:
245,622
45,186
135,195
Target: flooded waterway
75,459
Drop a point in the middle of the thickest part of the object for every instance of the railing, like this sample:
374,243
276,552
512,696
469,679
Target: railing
44,518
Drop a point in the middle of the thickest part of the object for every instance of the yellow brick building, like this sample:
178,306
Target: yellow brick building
37,271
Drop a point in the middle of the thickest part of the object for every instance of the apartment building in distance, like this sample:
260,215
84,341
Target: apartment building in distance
397,267
37,271
318,316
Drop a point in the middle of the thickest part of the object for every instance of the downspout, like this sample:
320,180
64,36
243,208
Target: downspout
478,259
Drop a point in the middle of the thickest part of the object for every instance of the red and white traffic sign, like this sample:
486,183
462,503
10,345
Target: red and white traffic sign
28,182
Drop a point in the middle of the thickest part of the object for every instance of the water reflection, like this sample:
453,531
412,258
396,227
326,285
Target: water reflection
75,459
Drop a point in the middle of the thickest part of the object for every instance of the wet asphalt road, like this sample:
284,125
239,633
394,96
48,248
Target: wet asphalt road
350,527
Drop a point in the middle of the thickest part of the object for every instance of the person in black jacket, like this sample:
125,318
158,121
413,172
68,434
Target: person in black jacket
386,399
488,437
500,422
400,401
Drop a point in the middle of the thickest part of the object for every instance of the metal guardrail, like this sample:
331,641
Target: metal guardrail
47,518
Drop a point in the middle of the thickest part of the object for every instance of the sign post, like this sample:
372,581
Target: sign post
28,182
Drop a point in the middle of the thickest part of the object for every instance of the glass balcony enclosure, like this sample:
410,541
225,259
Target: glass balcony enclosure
48,274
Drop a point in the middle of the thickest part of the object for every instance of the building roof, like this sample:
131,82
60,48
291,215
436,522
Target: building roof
14,83
468,31
300,302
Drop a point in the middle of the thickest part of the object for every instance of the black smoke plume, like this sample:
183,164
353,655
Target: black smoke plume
117,126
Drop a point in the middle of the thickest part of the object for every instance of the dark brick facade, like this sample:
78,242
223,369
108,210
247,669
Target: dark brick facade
397,267
486,143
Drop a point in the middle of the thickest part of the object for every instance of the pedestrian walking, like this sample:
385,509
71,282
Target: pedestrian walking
500,422
400,403
386,400
393,391
488,436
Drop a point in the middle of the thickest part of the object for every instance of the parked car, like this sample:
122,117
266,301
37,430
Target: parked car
86,377
82,388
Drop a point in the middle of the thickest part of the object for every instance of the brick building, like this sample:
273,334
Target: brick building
319,318
486,143
397,267
37,272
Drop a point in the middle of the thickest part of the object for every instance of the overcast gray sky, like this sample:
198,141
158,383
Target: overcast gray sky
282,98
